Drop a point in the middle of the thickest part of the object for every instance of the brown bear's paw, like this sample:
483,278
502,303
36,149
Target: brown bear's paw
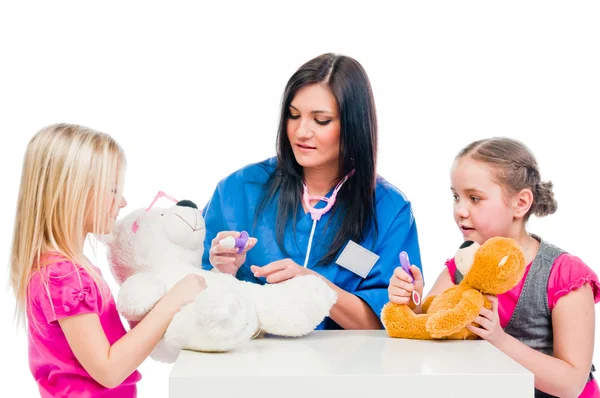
401,322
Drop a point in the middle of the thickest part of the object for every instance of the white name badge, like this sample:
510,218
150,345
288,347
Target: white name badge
357,259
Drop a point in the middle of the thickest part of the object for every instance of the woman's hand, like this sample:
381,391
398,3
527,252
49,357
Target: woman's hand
225,260
279,271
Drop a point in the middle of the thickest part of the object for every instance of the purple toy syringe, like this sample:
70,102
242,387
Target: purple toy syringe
405,264
230,242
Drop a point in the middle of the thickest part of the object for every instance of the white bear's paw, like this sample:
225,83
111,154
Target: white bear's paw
294,307
321,296
225,315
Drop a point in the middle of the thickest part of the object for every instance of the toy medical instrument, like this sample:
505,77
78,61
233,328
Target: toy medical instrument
230,242
405,263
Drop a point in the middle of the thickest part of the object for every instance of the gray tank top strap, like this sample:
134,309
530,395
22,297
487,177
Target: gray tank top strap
458,277
533,300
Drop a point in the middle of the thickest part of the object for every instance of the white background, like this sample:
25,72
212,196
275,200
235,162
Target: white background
192,93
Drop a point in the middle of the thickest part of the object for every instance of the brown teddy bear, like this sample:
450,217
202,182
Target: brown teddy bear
492,268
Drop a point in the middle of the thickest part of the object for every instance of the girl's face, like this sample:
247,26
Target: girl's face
481,210
313,127
114,201
117,202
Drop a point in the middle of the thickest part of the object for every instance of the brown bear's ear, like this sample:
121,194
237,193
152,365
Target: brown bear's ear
503,261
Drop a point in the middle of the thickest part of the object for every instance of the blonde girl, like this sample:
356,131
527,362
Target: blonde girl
72,188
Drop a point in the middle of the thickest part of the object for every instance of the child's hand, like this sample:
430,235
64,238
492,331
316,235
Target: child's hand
401,286
490,329
228,260
186,290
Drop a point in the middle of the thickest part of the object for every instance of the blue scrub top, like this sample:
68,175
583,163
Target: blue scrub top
237,197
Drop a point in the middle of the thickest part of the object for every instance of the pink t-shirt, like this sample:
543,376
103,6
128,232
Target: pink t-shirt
568,273
56,291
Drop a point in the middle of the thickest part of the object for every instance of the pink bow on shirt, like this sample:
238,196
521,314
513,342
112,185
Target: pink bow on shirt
73,298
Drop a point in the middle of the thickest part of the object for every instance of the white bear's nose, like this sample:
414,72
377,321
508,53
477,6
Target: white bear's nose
187,203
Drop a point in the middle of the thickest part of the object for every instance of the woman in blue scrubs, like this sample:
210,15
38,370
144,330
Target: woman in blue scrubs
326,146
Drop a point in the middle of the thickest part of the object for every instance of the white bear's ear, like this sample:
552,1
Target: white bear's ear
105,239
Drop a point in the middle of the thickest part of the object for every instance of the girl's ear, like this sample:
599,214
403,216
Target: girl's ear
522,202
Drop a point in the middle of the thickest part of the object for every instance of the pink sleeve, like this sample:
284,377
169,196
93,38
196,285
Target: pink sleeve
570,273
66,290
451,265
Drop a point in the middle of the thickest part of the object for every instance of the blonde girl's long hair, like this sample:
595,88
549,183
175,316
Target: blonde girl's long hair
72,176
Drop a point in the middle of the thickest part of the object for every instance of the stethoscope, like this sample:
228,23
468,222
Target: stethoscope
317,213
316,216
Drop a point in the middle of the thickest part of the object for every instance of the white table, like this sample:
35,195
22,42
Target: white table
348,364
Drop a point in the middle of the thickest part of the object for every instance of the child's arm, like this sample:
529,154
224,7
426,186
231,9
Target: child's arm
111,365
565,374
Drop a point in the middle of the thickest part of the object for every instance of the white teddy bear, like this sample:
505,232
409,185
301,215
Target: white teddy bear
152,249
